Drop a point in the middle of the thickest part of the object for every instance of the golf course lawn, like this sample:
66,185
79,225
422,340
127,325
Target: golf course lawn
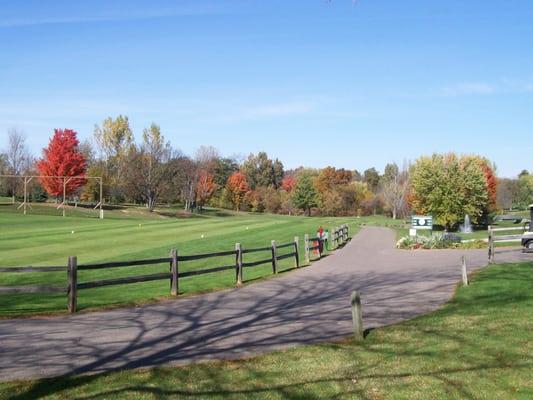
479,345
43,238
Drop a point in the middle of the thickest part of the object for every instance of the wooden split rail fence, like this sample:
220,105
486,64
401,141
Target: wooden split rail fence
339,237
493,238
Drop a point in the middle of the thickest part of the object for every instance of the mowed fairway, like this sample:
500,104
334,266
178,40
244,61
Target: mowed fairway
47,240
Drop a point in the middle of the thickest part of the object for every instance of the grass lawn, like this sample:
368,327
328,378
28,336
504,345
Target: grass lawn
479,346
43,238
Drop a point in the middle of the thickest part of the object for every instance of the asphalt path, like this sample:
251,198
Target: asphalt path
303,306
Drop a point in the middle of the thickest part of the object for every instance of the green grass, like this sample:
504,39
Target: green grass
478,346
42,238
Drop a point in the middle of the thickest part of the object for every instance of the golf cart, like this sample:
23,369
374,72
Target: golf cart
527,238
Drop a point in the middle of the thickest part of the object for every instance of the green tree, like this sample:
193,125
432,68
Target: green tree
224,168
371,178
525,191
262,171
448,188
390,173
508,191
304,195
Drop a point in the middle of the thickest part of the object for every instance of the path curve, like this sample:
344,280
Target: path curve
309,305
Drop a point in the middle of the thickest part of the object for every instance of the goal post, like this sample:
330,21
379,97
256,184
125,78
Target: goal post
26,179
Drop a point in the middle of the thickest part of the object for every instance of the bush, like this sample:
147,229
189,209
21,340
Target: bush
428,243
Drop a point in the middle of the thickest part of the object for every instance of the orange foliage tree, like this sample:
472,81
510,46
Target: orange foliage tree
288,183
492,183
237,188
205,188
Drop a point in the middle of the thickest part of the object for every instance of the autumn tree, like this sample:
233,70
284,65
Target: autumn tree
205,188
288,183
304,194
329,184
331,203
236,188
114,139
62,158
330,177
492,183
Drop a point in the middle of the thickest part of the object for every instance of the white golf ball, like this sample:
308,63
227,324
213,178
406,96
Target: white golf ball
202,236
72,232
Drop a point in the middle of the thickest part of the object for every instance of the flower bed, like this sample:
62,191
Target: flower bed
444,241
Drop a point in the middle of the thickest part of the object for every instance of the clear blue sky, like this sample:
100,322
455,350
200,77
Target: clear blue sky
313,82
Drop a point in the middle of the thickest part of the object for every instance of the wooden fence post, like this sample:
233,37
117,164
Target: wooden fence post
174,285
296,251
274,258
464,274
491,245
238,264
306,249
72,290
357,315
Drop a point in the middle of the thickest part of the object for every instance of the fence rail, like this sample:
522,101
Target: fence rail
339,236
502,238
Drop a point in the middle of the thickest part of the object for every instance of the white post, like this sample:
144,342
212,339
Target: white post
464,274
306,249
101,199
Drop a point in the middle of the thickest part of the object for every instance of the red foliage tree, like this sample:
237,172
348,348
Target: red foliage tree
492,183
62,158
205,188
237,188
288,183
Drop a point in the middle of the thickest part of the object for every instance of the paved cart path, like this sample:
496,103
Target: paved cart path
303,306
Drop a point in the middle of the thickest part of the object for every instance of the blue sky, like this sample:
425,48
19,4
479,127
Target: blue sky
313,82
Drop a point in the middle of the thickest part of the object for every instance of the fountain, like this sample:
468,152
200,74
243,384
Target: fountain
467,226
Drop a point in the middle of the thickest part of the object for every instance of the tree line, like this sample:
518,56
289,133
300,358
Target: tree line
152,172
